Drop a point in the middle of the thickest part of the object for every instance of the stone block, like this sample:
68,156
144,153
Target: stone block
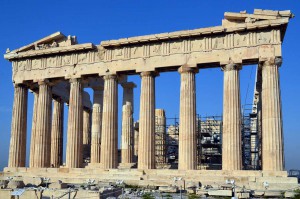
58,185
168,189
126,165
289,194
269,193
63,170
201,192
32,181
258,193
274,173
243,195
192,184
13,184
219,192
3,184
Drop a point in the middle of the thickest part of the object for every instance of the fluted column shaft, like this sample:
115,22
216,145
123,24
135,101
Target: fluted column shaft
272,137
74,138
109,140
127,131
96,125
136,141
231,146
187,125
127,123
146,152
33,127
57,133
86,133
42,138
17,149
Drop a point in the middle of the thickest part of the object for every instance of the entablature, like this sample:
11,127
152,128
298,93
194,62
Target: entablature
242,38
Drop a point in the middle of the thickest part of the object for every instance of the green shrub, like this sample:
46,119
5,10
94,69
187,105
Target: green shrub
147,196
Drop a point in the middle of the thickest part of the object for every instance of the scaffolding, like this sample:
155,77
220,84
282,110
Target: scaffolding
209,142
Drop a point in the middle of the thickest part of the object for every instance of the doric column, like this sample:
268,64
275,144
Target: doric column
136,141
127,125
127,131
160,137
272,137
109,140
187,125
74,137
33,135
17,149
96,125
146,153
231,146
42,138
86,134
57,133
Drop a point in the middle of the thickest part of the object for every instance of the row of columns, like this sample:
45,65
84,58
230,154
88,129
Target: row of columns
104,138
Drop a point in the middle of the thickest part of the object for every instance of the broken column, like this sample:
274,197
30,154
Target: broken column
96,125
160,138
127,126
86,138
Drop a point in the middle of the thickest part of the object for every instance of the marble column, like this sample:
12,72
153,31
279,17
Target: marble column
127,125
136,141
187,152
42,140
109,140
231,142
160,138
146,152
57,133
272,137
33,135
86,134
127,131
75,127
96,125
17,149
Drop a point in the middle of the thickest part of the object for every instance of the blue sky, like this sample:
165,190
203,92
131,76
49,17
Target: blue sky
23,22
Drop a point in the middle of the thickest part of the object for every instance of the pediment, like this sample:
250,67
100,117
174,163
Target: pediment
233,18
54,40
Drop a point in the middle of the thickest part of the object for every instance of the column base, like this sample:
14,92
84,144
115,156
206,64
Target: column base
127,165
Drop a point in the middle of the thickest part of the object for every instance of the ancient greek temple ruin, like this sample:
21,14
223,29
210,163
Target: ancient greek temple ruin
57,68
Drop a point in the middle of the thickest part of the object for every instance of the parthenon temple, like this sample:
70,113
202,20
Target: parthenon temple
57,69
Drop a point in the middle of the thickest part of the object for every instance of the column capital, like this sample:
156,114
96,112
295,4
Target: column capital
19,85
273,61
57,98
231,66
149,73
128,85
73,80
107,77
187,69
43,82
